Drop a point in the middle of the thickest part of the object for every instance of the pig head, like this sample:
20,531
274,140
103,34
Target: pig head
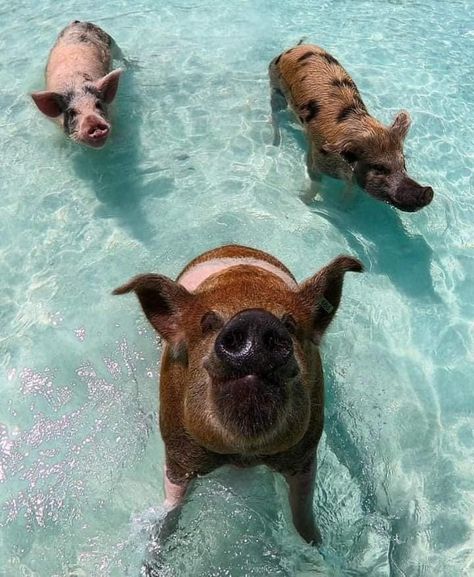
241,378
375,154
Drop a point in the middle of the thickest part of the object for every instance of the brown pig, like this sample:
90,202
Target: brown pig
344,140
241,378
79,83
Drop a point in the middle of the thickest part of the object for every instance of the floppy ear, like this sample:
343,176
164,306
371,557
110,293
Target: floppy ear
50,103
163,301
108,85
322,292
349,150
401,125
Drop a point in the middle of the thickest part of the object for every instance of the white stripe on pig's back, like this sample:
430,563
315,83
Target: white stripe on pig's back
192,278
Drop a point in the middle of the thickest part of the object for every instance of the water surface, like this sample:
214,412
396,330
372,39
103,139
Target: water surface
190,166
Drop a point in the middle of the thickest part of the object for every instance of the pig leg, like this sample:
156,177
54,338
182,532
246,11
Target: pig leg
278,103
174,493
301,502
312,164
174,496
315,175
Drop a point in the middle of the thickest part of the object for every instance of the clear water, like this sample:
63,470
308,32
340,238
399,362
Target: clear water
191,166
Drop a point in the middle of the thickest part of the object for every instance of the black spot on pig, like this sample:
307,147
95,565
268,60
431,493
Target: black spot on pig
69,120
305,56
330,59
344,83
312,108
348,111
91,89
87,77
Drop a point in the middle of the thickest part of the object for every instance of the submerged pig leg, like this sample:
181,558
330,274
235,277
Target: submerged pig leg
278,103
174,492
301,494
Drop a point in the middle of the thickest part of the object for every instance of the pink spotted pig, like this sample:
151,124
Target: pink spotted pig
79,83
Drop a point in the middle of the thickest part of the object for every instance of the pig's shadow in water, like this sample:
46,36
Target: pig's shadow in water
376,235
118,173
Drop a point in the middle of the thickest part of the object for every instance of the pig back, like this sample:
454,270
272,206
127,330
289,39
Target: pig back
82,53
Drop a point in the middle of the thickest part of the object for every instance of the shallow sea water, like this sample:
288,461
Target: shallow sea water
191,166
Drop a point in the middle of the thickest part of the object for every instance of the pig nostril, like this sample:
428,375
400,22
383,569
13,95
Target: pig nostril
98,131
276,344
233,341
427,194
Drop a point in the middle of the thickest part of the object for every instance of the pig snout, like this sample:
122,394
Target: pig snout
254,342
95,131
251,368
410,196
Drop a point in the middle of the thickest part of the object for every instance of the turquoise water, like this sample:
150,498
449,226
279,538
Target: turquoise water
190,166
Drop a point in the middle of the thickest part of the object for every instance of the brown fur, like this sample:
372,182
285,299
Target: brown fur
196,437
344,140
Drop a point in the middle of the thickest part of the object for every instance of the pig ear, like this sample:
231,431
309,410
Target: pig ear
322,292
50,103
162,301
401,125
348,150
108,85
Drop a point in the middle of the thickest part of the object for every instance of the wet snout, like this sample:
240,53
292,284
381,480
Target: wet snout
410,196
254,342
94,131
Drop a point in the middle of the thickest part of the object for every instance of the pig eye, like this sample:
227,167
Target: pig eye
99,106
211,321
289,323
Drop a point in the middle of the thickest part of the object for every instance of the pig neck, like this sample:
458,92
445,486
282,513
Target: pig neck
192,278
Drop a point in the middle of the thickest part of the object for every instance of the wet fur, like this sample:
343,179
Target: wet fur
204,425
344,140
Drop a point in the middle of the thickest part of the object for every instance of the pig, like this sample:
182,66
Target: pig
241,379
344,140
80,84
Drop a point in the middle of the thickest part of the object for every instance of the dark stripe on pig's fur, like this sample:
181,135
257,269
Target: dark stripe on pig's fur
277,60
347,112
87,77
305,56
344,82
91,89
330,59
312,107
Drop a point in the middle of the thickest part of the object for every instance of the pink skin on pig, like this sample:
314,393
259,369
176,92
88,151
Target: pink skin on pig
79,84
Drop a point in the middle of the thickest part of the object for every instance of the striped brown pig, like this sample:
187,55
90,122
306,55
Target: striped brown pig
241,378
79,83
344,140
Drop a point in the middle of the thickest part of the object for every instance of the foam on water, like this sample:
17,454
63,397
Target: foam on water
190,166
